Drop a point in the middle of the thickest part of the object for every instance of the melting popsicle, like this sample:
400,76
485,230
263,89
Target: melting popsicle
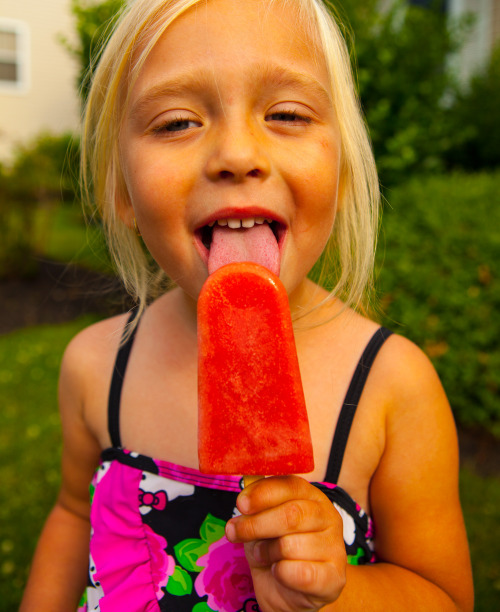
252,414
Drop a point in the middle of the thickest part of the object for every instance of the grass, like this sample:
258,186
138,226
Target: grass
29,445
30,452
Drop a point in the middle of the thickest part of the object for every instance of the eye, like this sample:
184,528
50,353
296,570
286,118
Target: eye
288,116
173,126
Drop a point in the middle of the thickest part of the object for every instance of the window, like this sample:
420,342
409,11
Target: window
14,55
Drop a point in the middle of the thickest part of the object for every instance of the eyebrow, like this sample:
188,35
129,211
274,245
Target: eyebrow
275,77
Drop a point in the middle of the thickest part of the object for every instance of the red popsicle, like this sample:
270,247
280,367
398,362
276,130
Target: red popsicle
252,414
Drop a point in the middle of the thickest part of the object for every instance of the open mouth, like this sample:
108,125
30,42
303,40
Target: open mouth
232,239
206,232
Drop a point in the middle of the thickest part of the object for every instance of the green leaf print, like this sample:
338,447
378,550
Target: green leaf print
83,600
179,583
188,552
202,607
354,559
212,529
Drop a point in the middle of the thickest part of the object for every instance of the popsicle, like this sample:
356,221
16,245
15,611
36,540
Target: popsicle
252,413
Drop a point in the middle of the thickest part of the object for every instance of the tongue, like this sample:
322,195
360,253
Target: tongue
257,244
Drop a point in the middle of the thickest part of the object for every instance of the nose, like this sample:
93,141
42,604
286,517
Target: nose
238,152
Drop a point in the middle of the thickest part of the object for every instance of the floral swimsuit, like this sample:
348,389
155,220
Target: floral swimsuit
157,529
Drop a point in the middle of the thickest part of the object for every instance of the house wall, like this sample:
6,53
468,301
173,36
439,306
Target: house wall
484,35
495,23
48,98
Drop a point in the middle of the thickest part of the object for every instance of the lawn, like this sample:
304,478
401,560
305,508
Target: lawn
30,450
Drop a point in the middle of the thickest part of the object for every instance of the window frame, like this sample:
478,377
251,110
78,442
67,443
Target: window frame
20,56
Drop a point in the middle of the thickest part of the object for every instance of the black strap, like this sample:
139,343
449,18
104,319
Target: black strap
351,402
115,390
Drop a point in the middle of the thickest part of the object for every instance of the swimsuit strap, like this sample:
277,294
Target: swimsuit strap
115,390
351,402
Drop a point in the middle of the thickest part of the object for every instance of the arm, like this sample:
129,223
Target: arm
420,536
60,564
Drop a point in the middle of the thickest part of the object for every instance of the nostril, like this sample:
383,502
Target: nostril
225,174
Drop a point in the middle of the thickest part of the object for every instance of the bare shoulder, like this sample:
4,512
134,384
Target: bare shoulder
92,348
411,383
85,375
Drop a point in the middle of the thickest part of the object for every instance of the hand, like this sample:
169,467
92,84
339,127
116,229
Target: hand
293,544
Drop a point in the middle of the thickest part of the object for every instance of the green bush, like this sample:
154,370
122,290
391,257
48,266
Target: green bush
93,21
474,119
43,172
402,58
16,221
46,168
438,280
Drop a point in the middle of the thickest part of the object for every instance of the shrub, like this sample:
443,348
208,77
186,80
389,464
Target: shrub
402,59
93,21
438,280
45,168
474,119
43,171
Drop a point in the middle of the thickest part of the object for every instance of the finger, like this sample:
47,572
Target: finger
323,581
320,546
297,516
273,491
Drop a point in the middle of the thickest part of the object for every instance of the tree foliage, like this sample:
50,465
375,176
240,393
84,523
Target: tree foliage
404,81
93,20
474,120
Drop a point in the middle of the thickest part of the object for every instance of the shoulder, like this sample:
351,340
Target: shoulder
420,432
410,379
93,347
86,369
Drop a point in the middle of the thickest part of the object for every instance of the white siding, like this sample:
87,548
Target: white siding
485,34
48,99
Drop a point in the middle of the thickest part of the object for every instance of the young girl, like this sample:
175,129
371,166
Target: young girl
205,116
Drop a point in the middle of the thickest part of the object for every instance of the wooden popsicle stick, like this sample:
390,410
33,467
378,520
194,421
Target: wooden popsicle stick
247,480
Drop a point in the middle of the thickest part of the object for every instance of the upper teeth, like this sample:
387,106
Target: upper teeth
236,223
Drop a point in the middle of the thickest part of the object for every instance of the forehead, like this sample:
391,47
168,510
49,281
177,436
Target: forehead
236,36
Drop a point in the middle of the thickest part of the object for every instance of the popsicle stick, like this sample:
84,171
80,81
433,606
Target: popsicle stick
248,480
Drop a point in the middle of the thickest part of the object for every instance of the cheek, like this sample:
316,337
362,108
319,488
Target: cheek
155,191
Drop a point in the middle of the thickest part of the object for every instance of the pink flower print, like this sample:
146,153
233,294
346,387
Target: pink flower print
226,577
162,565
370,532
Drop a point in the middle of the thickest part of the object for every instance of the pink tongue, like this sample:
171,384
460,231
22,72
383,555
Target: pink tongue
257,244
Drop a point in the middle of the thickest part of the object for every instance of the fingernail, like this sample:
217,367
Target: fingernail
243,503
230,531
258,552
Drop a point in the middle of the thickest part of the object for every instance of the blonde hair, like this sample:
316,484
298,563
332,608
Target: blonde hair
349,256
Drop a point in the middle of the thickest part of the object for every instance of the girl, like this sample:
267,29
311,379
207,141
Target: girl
204,117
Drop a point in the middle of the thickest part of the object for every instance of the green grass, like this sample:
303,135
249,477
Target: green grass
30,452
481,505
29,445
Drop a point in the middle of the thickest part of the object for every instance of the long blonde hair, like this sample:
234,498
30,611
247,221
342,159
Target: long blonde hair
349,256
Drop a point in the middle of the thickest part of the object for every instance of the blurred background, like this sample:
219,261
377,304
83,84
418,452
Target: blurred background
428,75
